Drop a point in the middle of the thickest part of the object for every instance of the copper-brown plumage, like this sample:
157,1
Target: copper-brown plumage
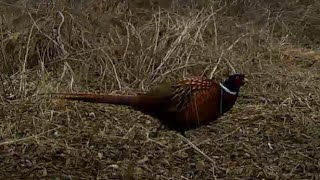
186,104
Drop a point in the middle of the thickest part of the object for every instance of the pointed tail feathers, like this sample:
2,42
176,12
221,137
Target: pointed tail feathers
129,100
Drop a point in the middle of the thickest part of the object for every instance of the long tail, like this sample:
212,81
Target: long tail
129,100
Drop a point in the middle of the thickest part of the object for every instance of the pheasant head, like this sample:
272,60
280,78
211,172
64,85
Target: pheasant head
229,91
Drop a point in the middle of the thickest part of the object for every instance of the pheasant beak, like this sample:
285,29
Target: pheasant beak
245,80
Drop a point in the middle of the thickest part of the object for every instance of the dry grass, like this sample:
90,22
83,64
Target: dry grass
273,132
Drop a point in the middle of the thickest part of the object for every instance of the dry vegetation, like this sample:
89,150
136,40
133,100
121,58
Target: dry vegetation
115,46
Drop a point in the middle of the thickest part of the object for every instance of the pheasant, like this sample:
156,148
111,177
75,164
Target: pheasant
185,105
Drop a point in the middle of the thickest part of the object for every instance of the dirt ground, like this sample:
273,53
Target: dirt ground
124,47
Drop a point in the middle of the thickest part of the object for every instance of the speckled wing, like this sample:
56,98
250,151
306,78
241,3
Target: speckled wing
196,99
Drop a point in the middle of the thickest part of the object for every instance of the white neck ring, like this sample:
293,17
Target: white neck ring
227,90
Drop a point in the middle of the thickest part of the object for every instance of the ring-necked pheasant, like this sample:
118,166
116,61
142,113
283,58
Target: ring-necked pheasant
187,104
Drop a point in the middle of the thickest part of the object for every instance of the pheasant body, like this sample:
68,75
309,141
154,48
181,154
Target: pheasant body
187,104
